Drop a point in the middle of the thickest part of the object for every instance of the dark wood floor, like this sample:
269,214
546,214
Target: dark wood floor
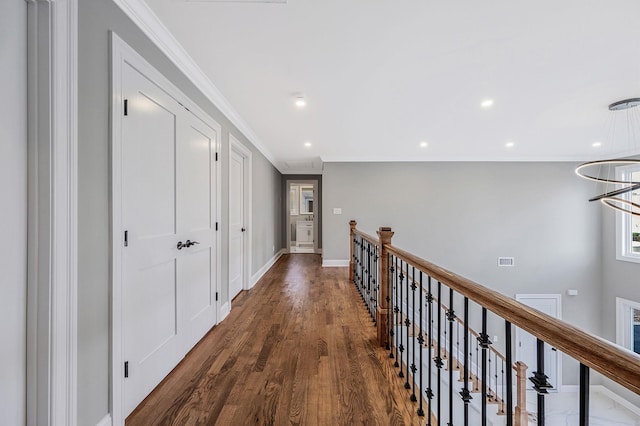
299,348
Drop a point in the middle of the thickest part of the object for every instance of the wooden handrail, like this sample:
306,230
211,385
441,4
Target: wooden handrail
372,240
608,359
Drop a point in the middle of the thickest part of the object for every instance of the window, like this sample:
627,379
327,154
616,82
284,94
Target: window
628,324
627,225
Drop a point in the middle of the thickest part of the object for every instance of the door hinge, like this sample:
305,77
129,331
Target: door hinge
216,226
126,107
126,238
216,296
216,156
126,369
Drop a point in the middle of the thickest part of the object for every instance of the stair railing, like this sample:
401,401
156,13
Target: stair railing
400,274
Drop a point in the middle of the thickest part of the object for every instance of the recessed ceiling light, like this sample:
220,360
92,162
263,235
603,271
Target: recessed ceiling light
486,103
300,101
423,144
596,144
510,144
307,144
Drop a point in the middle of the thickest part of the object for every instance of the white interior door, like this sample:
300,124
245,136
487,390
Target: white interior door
236,223
526,344
150,283
196,210
168,196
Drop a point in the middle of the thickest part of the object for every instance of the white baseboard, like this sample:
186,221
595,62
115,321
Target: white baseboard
334,263
616,398
106,421
256,277
224,311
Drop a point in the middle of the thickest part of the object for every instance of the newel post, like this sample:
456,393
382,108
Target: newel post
382,321
520,412
352,234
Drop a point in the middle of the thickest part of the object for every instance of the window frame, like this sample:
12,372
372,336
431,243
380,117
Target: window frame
624,327
624,222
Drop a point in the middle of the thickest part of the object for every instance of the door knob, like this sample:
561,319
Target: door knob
180,245
190,243
243,229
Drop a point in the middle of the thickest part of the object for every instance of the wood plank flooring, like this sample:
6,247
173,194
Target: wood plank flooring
297,349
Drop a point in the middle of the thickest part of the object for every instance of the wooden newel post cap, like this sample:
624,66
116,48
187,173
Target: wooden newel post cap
385,233
352,224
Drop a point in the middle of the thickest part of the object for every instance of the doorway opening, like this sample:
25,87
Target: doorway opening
302,216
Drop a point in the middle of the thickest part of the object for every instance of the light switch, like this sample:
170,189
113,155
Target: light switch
337,210
572,292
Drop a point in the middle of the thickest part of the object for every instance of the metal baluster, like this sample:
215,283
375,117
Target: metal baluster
374,298
484,344
477,381
509,362
367,300
502,386
539,380
495,370
421,343
584,395
389,308
465,394
429,391
401,347
413,340
438,359
457,345
407,323
488,384
451,316
396,310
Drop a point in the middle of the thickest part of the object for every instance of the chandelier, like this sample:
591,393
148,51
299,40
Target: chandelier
618,186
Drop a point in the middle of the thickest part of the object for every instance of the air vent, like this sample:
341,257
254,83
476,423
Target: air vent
505,261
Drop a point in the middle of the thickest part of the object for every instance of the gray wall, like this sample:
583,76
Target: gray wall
13,216
462,216
285,209
96,18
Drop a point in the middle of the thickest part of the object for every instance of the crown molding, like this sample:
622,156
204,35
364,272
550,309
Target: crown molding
142,15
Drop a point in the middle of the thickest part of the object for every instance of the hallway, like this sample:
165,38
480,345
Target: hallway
298,348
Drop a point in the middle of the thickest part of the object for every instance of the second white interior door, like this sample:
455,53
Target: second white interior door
236,224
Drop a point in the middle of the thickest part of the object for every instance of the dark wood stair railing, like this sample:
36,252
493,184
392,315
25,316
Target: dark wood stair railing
393,288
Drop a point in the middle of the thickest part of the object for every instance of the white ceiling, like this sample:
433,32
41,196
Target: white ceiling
379,76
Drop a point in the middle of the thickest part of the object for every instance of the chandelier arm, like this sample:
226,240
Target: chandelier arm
610,202
580,173
616,192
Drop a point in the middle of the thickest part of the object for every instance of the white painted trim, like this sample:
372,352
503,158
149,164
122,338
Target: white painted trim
52,224
123,55
225,310
106,421
336,263
265,268
150,24
236,146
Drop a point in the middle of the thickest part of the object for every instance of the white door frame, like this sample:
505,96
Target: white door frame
236,146
52,204
316,231
122,55
558,300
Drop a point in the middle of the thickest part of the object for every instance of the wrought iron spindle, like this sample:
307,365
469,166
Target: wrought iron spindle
407,323
465,394
509,362
429,390
484,344
457,345
420,342
539,380
584,395
368,280
438,359
413,340
400,332
488,377
374,297
451,316
396,310
502,389
389,308
477,379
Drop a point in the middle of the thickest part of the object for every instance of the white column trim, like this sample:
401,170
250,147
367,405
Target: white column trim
52,223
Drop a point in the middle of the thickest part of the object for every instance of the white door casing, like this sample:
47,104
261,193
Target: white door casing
526,349
165,189
239,216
